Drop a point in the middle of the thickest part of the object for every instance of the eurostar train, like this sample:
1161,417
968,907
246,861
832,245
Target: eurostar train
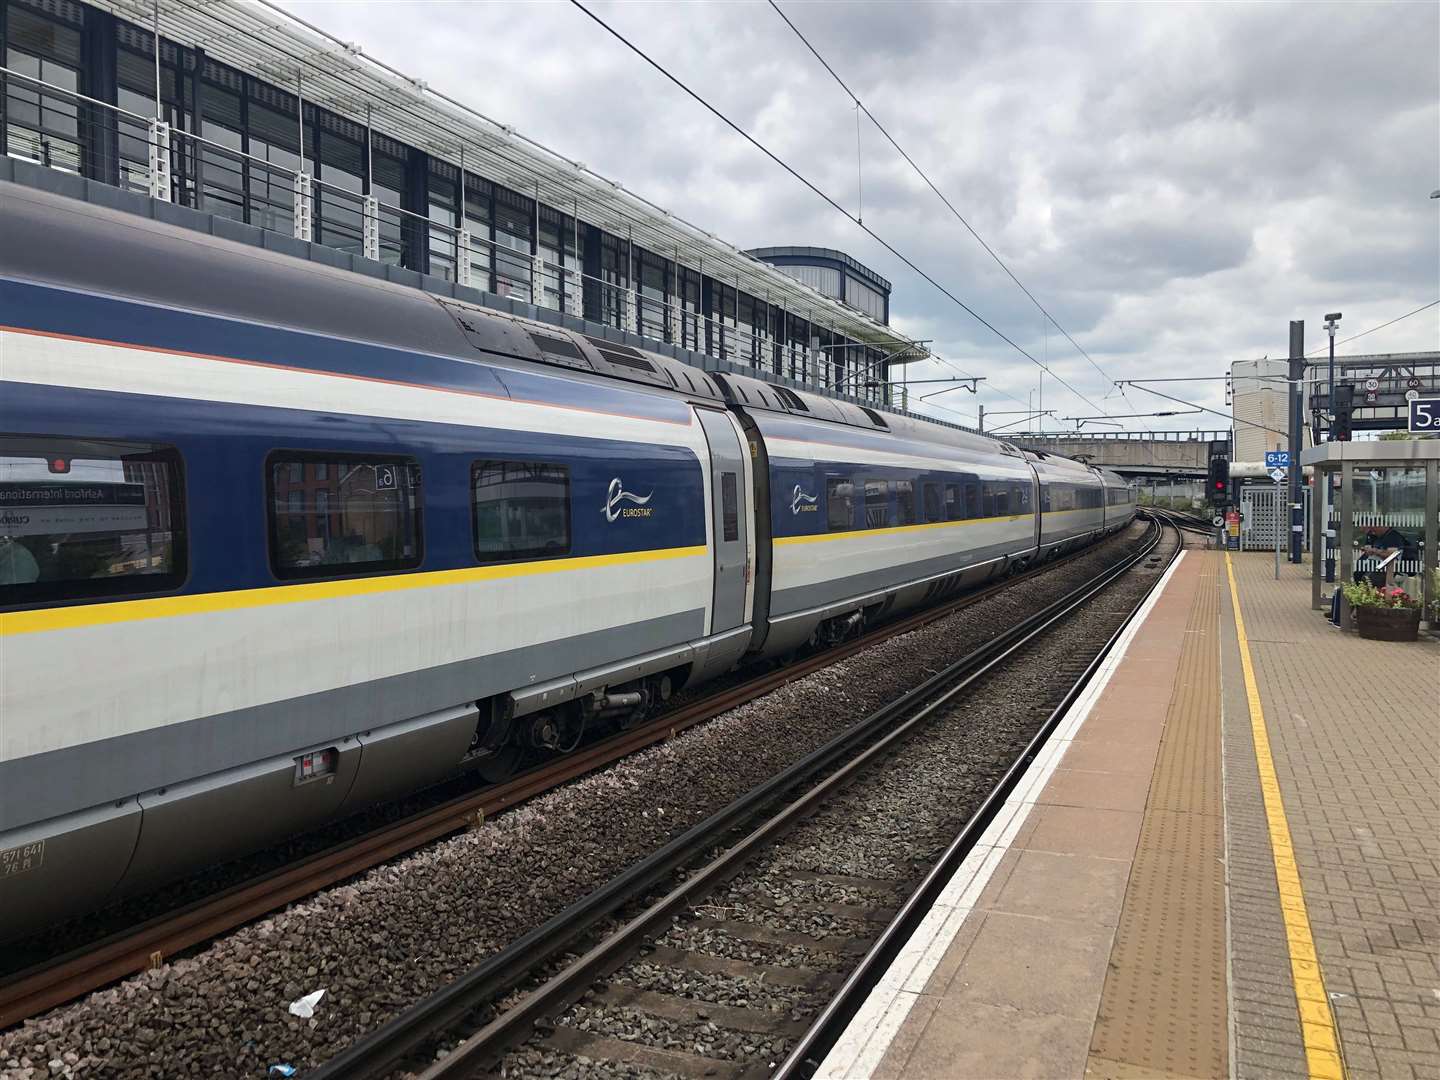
279,540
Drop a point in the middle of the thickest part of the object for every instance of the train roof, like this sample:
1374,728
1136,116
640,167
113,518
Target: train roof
75,245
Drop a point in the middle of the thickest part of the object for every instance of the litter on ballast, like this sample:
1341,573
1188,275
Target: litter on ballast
305,1007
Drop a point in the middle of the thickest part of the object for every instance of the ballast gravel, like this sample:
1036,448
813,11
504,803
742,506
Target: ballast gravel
403,930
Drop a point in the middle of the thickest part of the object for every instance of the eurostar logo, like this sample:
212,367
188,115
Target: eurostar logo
801,503
613,510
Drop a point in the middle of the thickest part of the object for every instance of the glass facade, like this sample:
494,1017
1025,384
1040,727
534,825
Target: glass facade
238,142
863,298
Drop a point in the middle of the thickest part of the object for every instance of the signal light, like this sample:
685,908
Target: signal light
59,465
1220,481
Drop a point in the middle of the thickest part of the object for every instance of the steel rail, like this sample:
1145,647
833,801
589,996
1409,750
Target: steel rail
806,1056
32,991
381,1051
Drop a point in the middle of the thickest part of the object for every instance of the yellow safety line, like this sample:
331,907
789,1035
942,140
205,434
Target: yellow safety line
1317,1022
164,607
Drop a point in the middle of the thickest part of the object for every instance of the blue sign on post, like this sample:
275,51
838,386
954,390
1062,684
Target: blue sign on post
1277,459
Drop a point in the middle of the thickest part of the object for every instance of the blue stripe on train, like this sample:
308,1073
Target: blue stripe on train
224,448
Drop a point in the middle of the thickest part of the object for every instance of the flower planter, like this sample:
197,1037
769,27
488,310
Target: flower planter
1388,624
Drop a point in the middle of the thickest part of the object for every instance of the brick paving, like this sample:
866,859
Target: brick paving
1355,731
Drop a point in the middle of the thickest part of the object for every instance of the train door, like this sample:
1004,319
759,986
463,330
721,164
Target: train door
732,532
764,544
1036,485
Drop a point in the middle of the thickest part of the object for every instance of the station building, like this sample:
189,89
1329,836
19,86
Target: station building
254,125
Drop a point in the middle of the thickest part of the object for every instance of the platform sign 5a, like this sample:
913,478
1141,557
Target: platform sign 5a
1277,459
1425,414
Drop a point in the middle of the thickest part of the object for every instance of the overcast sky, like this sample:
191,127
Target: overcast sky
1173,182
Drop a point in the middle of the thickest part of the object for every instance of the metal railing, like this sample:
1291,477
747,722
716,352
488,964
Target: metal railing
63,129
1127,436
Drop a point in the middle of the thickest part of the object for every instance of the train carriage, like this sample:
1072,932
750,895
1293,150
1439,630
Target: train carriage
871,514
1072,502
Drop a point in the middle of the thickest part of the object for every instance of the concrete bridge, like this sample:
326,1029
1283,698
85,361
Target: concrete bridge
1135,454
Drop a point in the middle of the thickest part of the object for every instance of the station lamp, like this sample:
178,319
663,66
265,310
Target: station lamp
1332,323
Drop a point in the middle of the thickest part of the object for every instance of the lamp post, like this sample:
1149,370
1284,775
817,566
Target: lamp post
1332,323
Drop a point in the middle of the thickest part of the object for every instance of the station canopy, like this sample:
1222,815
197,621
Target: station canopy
263,40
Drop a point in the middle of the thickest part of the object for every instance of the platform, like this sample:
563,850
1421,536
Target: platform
1225,863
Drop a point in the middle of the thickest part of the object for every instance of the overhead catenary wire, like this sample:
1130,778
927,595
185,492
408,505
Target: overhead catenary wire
860,107
826,197
1203,408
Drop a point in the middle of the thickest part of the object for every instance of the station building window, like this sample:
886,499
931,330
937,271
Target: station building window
340,168
477,222
521,510
367,522
692,334
559,250
728,338
514,228
222,170
825,279
862,297
614,279
43,126
88,519
444,216
387,184
654,278
273,139
135,94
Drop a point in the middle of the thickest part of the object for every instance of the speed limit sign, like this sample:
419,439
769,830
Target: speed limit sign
1372,384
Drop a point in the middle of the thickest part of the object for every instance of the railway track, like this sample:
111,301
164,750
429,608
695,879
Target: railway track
753,963
35,990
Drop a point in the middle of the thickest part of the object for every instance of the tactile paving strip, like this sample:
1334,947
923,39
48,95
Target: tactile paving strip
1163,1010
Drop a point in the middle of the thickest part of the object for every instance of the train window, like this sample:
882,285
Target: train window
730,506
904,502
360,515
954,508
1023,494
933,510
877,504
974,507
522,510
840,504
88,519
998,495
